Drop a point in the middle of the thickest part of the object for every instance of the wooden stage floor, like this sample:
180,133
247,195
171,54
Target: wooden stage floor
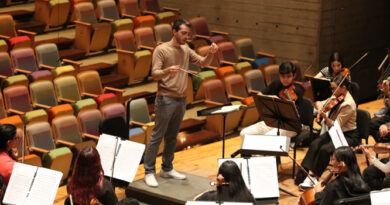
202,161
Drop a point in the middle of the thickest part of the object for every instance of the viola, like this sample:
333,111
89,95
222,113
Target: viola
345,72
288,93
330,105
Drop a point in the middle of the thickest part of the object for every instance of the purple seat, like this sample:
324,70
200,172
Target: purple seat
5,65
40,75
113,110
17,99
89,121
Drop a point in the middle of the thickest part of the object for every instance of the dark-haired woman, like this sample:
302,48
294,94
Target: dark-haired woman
348,183
335,66
233,188
88,183
8,152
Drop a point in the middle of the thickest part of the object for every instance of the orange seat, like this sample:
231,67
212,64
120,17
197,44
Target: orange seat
59,110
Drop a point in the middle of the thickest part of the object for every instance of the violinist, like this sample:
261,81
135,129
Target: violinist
348,183
344,111
232,186
377,174
335,66
378,127
285,88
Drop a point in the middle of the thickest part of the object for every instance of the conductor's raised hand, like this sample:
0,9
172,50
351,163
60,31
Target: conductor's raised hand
173,69
213,48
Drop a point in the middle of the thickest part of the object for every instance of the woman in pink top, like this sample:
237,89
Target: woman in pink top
8,152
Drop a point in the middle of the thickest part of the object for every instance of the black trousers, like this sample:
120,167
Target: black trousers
318,156
375,178
375,123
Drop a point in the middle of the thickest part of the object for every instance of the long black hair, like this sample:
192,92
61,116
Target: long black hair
7,133
236,189
335,56
352,177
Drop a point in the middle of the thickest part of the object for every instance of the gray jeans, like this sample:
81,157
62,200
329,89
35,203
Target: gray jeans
169,115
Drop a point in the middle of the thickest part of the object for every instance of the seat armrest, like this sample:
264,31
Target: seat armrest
115,90
246,59
235,97
36,149
15,111
228,62
41,106
137,123
220,33
264,54
3,77
211,67
22,71
5,37
254,91
71,144
128,16
82,23
147,48
106,19
46,67
149,12
66,100
212,103
175,10
29,33
90,95
125,52
94,137
75,64
202,36
193,72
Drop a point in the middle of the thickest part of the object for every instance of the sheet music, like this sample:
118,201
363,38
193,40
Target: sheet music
266,143
19,183
23,188
128,159
226,109
214,203
337,135
263,175
45,186
106,149
380,197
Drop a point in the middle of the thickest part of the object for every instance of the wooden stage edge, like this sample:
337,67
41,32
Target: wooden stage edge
202,161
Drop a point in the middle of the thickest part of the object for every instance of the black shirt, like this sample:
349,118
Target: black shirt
213,196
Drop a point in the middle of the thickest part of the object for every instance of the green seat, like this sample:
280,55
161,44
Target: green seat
59,159
16,80
42,92
63,70
83,105
163,16
3,46
241,66
202,76
122,24
35,116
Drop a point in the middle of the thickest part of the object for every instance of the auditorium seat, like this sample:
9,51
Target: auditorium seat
43,94
247,52
89,121
135,64
67,89
144,38
52,12
3,112
255,81
3,46
41,141
16,39
270,73
163,33
6,69
130,9
48,57
199,81
16,80
215,95
201,30
59,110
90,35
228,56
236,89
38,115
214,64
83,105
224,71
113,110
90,85
17,99
164,15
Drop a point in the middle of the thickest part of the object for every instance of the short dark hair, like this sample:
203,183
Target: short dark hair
287,67
338,78
7,132
176,25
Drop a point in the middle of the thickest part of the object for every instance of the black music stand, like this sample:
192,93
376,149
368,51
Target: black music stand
321,89
210,111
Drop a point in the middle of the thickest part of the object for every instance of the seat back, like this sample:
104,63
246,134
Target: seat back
47,54
138,111
113,110
66,128
115,126
145,36
129,7
214,91
89,121
363,119
199,26
271,72
108,9
203,51
40,135
66,87
7,25
3,112
255,80
227,52
24,59
235,85
85,12
42,92
125,40
150,5
163,32
17,97
245,47
5,65
89,82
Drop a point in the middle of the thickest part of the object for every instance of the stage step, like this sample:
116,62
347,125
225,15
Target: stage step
101,68
116,81
186,139
191,125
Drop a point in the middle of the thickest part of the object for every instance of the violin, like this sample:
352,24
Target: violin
345,72
219,182
288,93
94,201
330,105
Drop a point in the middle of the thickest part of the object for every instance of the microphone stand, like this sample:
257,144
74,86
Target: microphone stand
113,161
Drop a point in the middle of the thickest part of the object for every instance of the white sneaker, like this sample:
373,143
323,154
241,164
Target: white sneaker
307,183
172,174
150,180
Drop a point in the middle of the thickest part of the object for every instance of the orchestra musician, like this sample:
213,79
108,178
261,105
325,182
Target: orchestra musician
335,66
285,88
320,150
348,183
378,127
8,151
376,175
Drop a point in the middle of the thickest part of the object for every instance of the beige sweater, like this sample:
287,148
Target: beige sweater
166,55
